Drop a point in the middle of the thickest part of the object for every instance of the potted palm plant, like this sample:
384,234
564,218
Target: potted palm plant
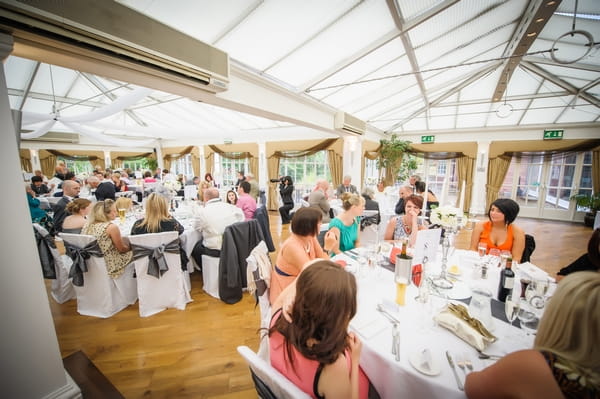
590,201
390,157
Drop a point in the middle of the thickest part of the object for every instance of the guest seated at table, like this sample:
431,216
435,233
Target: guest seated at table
499,231
106,188
315,351
432,200
209,179
211,220
245,202
345,226
590,261
565,359
38,186
318,199
38,215
71,190
346,187
148,177
231,197
407,225
370,205
403,192
157,219
117,252
300,247
120,185
78,210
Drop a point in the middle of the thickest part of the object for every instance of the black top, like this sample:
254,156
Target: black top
583,263
42,189
399,209
165,225
286,193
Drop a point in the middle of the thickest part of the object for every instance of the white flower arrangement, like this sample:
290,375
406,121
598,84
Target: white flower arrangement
172,185
447,217
168,189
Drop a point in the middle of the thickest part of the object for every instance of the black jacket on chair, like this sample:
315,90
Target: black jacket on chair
262,216
239,239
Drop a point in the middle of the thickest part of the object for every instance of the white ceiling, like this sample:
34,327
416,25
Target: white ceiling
406,66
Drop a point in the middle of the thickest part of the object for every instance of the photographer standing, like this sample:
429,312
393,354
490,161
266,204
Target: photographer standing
286,188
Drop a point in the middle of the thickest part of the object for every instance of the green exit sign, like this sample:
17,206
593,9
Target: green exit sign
553,134
427,139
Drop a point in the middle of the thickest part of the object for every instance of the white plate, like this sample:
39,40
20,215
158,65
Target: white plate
416,361
459,291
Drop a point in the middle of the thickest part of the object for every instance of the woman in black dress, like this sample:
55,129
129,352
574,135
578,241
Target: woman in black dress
286,188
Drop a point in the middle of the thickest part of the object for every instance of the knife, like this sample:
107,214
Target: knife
451,363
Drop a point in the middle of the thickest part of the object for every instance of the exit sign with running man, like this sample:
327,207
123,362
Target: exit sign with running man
553,134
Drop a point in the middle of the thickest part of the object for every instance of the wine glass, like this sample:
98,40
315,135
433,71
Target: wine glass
512,306
527,316
494,256
482,249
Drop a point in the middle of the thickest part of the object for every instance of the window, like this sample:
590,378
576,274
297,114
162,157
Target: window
230,168
136,164
183,166
585,182
77,166
305,171
371,172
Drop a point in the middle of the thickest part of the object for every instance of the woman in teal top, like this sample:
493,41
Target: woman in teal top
345,227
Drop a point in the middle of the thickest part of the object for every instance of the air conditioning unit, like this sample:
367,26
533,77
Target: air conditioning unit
349,124
119,35
57,137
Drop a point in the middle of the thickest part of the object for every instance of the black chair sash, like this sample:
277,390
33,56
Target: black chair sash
157,263
44,245
79,256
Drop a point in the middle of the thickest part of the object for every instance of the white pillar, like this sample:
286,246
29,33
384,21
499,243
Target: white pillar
352,160
159,155
480,178
262,167
31,365
202,162
35,160
107,160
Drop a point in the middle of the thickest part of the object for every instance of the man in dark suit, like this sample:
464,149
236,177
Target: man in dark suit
70,191
106,189
404,192
346,187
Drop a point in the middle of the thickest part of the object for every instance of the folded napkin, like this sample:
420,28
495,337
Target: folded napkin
456,318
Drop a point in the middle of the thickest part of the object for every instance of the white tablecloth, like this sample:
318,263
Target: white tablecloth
418,332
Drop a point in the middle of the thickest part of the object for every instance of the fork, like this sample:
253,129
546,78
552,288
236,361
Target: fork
461,364
469,365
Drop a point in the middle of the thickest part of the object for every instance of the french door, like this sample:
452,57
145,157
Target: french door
543,185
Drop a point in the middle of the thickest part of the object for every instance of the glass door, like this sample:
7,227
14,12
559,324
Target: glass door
557,187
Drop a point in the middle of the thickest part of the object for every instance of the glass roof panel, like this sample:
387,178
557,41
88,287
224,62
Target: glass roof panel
583,111
411,9
545,110
441,122
522,83
470,120
396,100
519,107
415,124
354,30
482,88
255,42
19,71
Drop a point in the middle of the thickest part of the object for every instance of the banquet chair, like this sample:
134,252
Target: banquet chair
100,295
269,383
61,288
156,294
190,192
259,281
529,248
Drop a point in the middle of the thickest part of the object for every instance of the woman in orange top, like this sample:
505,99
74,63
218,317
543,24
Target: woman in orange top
499,231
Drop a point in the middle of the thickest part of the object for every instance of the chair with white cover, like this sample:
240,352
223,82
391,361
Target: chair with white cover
159,289
210,275
57,266
190,192
98,294
259,281
269,383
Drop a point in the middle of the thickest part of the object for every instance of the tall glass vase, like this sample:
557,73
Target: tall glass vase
442,280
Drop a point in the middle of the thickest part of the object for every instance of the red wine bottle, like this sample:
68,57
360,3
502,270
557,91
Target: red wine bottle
507,281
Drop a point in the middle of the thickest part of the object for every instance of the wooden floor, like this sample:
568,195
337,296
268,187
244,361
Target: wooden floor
192,353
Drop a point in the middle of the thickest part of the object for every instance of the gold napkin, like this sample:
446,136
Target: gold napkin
456,319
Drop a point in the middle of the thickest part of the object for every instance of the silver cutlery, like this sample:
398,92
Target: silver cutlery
483,355
461,365
396,341
390,316
451,363
469,365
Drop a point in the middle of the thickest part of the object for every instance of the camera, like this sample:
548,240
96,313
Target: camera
279,180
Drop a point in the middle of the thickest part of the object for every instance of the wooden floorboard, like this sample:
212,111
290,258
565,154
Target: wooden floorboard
91,381
192,353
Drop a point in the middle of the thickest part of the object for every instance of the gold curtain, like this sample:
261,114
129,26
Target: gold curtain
253,165
48,165
26,165
273,169
465,166
335,167
497,168
210,163
196,164
596,171
323,145
98,162
167,163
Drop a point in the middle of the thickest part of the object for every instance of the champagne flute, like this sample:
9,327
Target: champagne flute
511,308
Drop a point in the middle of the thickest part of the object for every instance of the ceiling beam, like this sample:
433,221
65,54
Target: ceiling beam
561,83
27,89
50,98
574,65
535,17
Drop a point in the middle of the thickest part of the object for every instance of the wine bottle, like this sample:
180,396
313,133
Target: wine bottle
507,281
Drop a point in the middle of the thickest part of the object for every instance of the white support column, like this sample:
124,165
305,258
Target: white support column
159,156
35,160
31,365
202,161
262,167
107,160
480,178
352,159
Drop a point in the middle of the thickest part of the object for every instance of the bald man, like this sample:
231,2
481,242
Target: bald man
71,190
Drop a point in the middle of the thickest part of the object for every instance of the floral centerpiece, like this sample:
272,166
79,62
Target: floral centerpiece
168,188
449,217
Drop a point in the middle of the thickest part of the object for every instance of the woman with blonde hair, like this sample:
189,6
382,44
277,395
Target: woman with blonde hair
345,226
117,252
565,359
157,219
78,210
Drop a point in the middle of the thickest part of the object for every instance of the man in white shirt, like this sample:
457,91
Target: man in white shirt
211,221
